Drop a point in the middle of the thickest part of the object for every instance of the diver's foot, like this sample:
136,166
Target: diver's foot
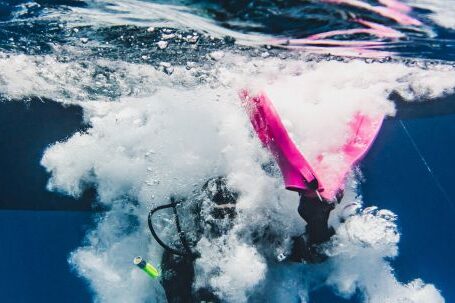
316,255
317,234
302,252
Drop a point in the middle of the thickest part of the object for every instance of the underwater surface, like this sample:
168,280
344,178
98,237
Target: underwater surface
109,108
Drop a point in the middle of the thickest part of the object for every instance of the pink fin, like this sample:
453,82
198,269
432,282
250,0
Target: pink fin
363,130
296,170
375,29
388,12
396,5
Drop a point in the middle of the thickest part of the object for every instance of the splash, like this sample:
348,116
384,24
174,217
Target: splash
358,253
441,12
203,131
162,122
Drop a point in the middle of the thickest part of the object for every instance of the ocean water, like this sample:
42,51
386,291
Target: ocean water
109,108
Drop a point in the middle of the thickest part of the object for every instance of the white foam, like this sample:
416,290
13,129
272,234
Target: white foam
230,267
174,134
442,12
358,253
107,258
73,82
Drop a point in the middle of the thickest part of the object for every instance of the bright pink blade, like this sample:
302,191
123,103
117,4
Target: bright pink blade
296,170
396,5
375,29
388,12
363,130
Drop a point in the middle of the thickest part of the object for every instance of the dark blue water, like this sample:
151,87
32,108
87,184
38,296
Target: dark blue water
38,229
28,128
35,248
397,175
410,169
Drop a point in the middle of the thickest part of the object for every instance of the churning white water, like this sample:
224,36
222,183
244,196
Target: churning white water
155,132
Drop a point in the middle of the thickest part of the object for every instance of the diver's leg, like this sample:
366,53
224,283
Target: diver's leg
316,214
177,279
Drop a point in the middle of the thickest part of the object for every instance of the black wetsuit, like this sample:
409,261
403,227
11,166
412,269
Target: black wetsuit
179,270
178,280
316,214
213,209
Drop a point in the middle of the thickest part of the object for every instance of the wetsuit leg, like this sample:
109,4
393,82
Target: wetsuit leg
316,214
177,281
178,275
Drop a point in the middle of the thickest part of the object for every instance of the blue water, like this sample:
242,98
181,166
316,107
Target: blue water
410,169
27,129
397,176
38,229
35,248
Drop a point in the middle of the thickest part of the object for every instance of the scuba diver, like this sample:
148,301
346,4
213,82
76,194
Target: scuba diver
213,207
210,212
319,188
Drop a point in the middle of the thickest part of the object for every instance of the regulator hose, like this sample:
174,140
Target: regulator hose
172,250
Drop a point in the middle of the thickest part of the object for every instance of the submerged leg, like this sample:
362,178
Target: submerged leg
316,214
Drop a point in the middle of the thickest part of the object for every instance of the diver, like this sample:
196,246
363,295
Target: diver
320,186
214,209
210,212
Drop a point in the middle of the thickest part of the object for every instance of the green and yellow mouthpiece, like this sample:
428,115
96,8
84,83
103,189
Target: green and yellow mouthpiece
146,267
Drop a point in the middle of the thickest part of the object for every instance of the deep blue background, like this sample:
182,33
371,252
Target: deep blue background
35,246
36,241
397,179
38,229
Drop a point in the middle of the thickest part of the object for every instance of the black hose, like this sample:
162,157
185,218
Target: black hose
174,251
179,230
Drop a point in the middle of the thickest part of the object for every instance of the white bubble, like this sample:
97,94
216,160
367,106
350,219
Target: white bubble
162,44
217,55
173,136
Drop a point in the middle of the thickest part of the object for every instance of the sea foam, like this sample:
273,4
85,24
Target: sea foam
140,150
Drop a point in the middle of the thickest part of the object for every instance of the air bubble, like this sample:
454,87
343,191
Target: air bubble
167,36
162,44
217,55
